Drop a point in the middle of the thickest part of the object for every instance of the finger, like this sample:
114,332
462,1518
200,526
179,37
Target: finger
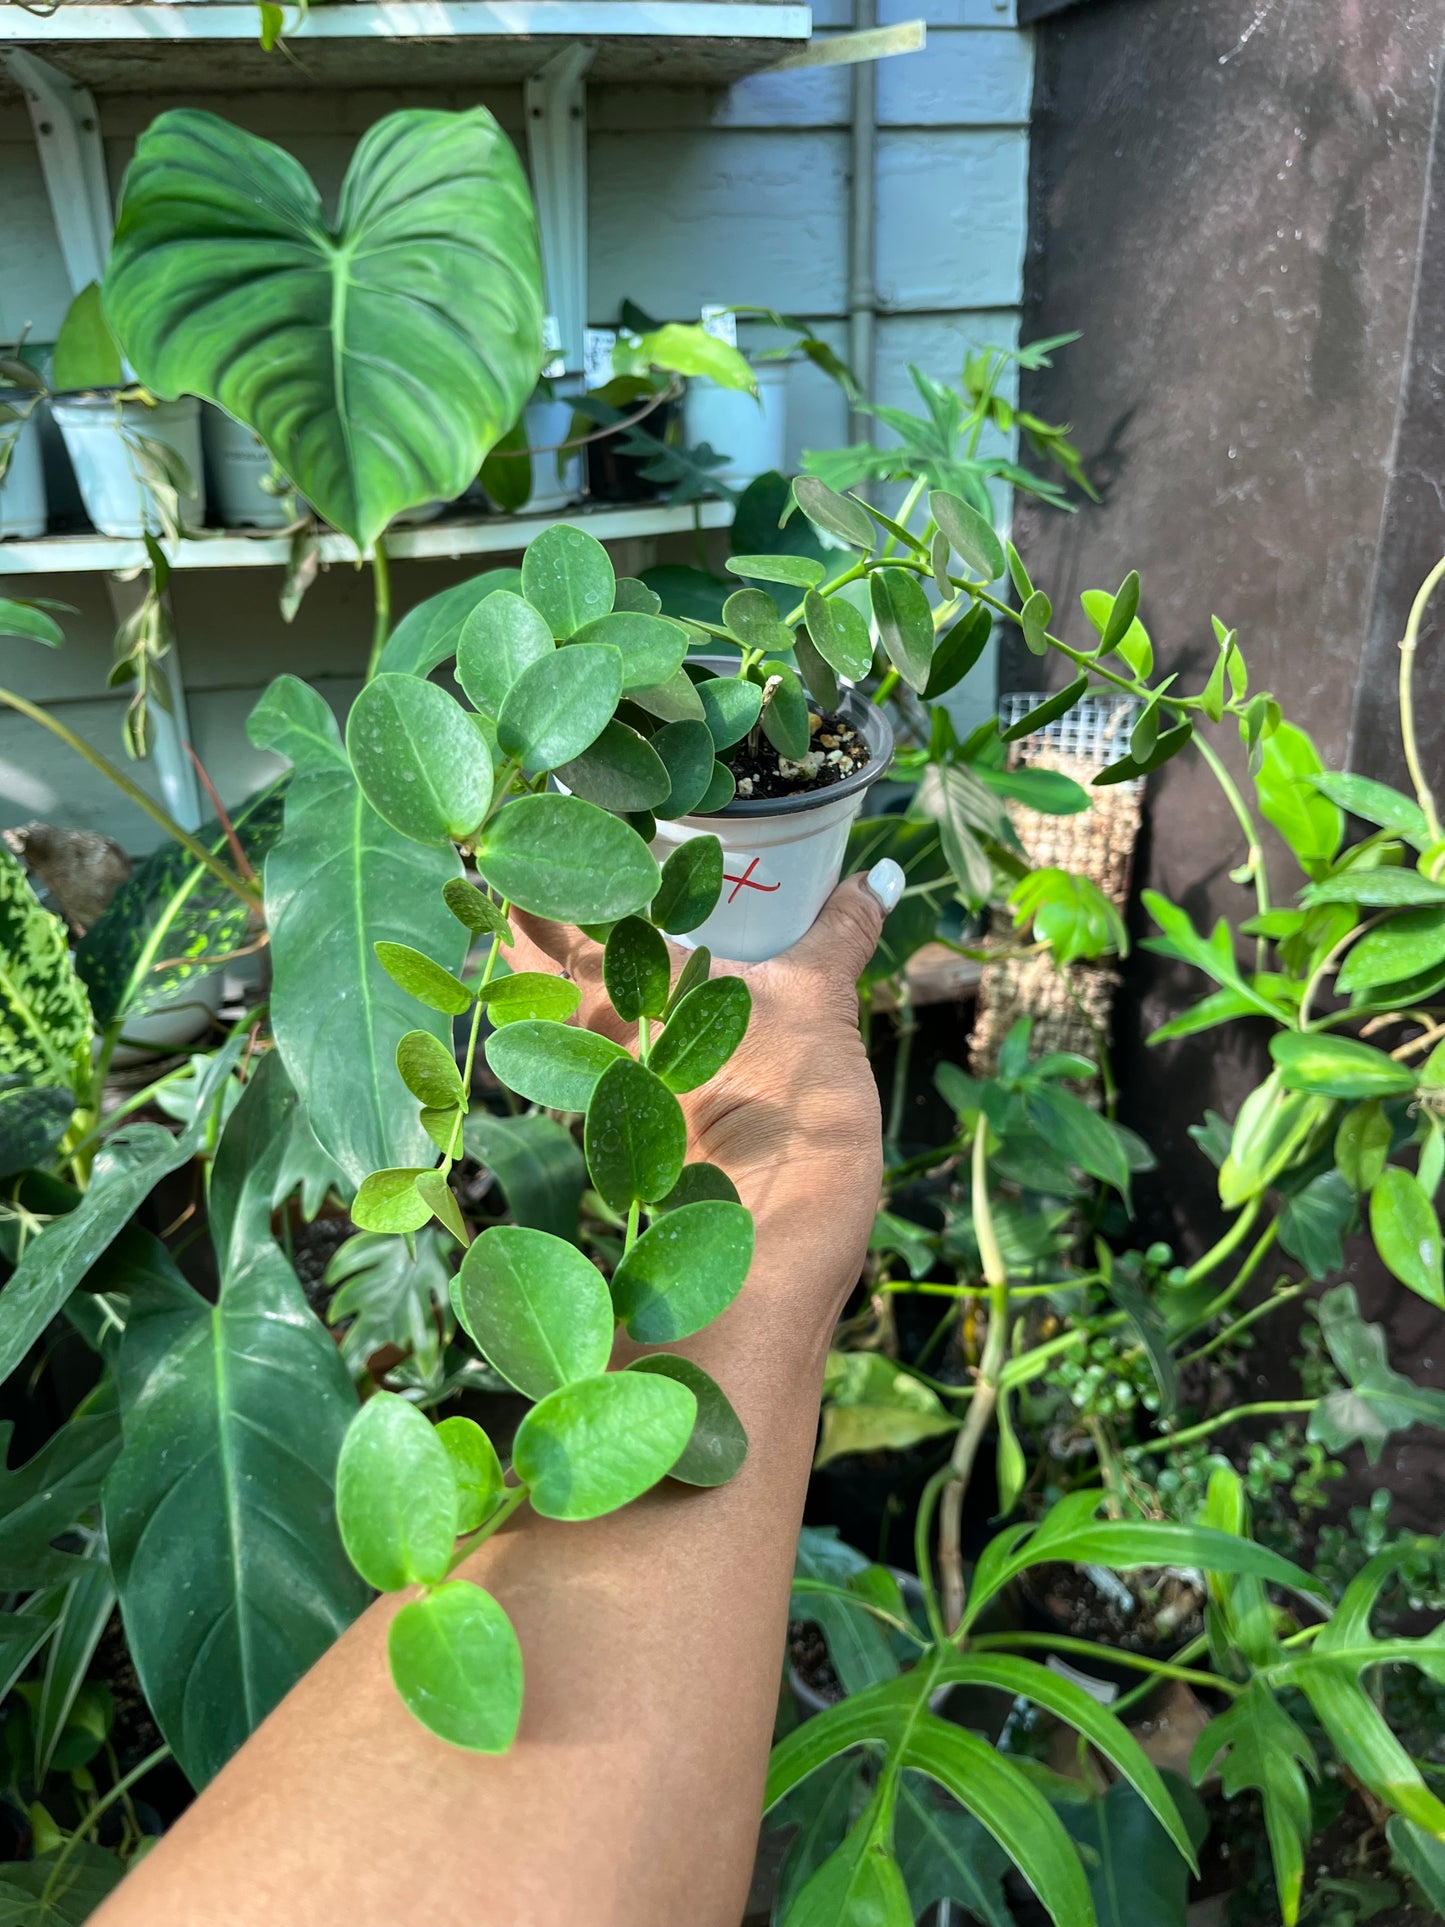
846,933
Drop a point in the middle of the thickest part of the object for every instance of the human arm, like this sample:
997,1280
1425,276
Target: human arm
652,1637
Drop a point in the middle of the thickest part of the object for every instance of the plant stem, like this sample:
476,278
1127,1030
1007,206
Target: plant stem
512,1497
886,688
1222,1247
644,1039
102,1805
1263,1409
985,1399
634,1215
905,1029
1116,1655
249,894
928,1289
1237,1325
1408,643
1238,1282
1254,854
381,594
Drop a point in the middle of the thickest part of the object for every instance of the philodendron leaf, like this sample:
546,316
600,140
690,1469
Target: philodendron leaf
568,578
683,1271
396,1495
635,1136
46,1892
691,883
417,757
379,360
423,979
232,1416
565,859
537,1163
476,1467
559,705
860,1884
702,1033
458,1667
602,1442
1422,1856
1406,1232
536,1307
501,637
45,1026
719,1444
46,1497
636,970
1136,1873
551,1064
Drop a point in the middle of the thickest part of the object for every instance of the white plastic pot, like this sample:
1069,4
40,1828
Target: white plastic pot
94,426
237,463
752,434
22,493
173,1027
782,856
547,422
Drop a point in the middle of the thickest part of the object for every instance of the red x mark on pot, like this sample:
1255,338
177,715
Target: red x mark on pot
745,881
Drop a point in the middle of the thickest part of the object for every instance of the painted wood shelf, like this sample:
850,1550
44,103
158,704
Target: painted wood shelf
441,540
152,46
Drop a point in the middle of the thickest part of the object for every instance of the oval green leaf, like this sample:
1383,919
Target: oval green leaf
537,1308
396,1496
476,1467
458,1667
636,970
500,638
905,623
957,652
834,514
474,909
1402,946
389,1201
686,749
730,707
1406,1232
839,633
970,534
720,791
599,1444
718,1445
785,714
699,1184
635,1136
418,760
568,578
565,859
551,1064
797,571
529,994
651,648
702,1033
692,879
752,618
1337,1066
683,1271
423,979
429,1070
559,705
619,772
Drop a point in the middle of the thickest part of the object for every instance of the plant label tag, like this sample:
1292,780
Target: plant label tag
720,323
554,362
597,346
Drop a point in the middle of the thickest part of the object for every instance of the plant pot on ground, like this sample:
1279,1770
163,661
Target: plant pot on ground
1154,1611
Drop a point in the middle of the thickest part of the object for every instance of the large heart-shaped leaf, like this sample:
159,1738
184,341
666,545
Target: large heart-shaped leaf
379,360
232,1420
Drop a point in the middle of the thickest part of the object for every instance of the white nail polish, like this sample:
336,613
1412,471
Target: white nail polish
885,880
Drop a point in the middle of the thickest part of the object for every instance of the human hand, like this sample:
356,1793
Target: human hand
793,1116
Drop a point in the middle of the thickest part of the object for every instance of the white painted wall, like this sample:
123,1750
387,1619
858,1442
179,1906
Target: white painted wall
734,196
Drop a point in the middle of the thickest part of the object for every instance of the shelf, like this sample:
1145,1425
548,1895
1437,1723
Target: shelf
442,540
158,47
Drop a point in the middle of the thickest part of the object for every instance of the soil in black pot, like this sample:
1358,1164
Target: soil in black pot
836,749
1153,1611
615,477
808,1656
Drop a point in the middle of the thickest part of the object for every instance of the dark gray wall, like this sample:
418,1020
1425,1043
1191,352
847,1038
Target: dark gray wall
1228,198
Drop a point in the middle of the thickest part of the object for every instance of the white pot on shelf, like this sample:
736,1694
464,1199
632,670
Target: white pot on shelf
237,463
173,1027
752,434
23,510
782,856
547,421
95,427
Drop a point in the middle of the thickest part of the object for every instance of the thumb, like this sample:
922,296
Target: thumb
846,932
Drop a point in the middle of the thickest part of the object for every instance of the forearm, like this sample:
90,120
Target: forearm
652,1639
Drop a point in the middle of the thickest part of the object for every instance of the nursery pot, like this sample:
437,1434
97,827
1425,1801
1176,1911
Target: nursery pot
547,422
751,433
22,493
782,855
1083,1601
237,463
175,1025
114,498
812,1700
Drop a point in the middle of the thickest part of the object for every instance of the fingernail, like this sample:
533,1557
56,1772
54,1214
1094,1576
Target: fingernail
885,880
